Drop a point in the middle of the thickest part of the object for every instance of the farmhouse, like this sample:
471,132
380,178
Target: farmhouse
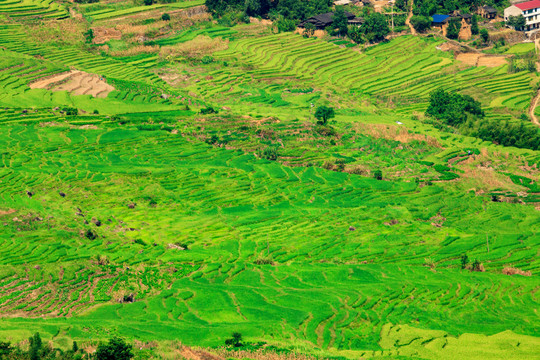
530,10
324,20
439,20
488,12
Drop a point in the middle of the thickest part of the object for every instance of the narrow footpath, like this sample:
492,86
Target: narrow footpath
534,103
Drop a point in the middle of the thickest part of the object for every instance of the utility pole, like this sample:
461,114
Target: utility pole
393,16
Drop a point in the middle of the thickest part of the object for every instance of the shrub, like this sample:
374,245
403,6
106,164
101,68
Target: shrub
70,111
165,17
285,25
140,242
477,266
208,110
484,34
268,153
116,349
207,59
377,174
325,130
148,2
90,235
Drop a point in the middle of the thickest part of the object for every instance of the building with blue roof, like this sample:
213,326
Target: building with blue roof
439,20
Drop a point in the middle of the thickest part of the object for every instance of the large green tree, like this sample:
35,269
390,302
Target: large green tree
421,23
323,114
340,21
375,27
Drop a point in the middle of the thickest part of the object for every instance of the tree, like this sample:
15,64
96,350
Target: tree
148,2
35,346
356,34
235,341
5,349
116,349
517,22
165,17
75,347
474,25
464,261
323,114
340,21
89,36
421,23
285,25
454,26
257,7
309,30
484,34
375,27
377,174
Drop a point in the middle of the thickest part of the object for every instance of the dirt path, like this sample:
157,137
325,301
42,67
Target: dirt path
408,21
534,103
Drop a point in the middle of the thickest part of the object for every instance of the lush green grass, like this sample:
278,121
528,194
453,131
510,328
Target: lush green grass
520,48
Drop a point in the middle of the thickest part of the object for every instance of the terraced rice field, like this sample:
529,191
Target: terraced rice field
36,9
145,218
356,275
379,72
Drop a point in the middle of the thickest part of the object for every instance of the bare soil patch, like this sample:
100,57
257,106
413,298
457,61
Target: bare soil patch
475,59
103,34
75,82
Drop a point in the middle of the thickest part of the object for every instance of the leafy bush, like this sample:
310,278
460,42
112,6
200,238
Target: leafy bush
165,17
116,349
421,23
70,111
208,110
285,25
268,153
377,174
207,59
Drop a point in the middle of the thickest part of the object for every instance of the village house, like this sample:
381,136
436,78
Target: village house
530,10
322,21
441,21
487,12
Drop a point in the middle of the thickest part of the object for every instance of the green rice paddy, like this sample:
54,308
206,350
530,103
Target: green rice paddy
141,194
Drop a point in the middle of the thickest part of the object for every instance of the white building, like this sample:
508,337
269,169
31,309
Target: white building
530,11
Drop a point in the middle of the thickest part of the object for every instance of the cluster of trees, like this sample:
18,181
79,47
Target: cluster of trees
287,9
465,114
517,22
504,133
430,7
288,13
115,349
453,108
